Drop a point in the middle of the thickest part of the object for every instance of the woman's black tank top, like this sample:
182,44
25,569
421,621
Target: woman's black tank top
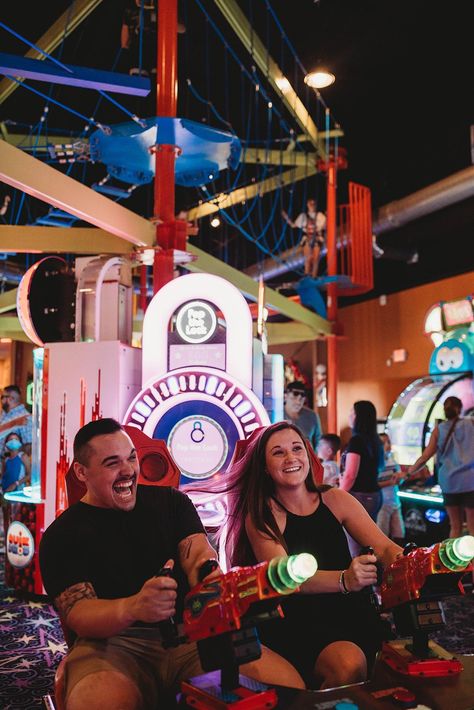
320,534
312,621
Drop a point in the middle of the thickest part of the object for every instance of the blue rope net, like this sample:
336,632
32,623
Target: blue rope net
220,84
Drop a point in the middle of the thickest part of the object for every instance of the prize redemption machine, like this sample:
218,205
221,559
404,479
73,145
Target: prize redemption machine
84,368
206,382
200,382
416,411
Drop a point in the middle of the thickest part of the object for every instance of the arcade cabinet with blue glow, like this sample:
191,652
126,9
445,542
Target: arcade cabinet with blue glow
415,413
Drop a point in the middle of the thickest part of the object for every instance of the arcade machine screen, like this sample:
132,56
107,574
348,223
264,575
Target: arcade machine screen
409,425
416,411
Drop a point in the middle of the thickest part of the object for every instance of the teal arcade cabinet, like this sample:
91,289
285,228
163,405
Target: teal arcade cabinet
413,416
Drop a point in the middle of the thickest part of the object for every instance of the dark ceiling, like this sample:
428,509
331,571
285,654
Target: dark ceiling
403,96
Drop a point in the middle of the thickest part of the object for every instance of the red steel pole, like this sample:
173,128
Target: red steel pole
166,104
332,294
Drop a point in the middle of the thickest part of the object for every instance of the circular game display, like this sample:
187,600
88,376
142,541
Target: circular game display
196,322
20,545
201,413
199,446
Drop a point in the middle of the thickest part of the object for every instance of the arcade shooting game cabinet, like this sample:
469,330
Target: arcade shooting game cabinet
206,382
414,415
200,382
84,368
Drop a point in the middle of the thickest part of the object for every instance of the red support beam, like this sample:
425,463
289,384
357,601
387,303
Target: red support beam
168,232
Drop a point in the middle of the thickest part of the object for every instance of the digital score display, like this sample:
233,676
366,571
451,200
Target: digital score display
458,313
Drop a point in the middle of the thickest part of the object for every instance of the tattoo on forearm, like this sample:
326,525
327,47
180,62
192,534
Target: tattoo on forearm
65,601
186,548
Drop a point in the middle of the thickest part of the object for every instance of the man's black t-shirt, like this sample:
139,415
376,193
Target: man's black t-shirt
366,479
117,551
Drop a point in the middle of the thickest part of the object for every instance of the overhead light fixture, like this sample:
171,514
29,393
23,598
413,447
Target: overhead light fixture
320,78
215,222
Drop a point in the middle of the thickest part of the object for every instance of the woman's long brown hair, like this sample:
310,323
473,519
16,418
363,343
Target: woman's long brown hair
245,489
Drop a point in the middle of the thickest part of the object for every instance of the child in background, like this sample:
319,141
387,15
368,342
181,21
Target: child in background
329,445
16,466
389,518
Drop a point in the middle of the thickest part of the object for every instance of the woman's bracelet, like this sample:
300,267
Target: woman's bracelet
342,584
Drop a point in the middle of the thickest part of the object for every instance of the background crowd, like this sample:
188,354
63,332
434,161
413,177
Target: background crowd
369,471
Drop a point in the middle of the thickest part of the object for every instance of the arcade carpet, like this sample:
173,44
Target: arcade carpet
32,644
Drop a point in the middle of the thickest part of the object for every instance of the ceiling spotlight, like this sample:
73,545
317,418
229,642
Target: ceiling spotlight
215,222
319,78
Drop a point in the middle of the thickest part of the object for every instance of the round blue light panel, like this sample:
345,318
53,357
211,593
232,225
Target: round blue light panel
200,413
201,442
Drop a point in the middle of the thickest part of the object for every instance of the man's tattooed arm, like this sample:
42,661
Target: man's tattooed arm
65,601
185,548
193,551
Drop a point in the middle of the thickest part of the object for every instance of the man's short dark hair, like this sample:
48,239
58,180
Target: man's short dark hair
13,389
295,386
90,431
333,440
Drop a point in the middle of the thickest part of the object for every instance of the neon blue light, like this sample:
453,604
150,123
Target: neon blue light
21,497
420,496
36,70
435,515
38,357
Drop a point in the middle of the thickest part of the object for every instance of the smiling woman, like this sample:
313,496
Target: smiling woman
330,632
287,461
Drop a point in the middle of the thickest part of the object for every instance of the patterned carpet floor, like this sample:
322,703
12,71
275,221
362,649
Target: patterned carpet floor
32,644
458,634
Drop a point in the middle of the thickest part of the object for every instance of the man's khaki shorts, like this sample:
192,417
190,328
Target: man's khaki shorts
139,655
